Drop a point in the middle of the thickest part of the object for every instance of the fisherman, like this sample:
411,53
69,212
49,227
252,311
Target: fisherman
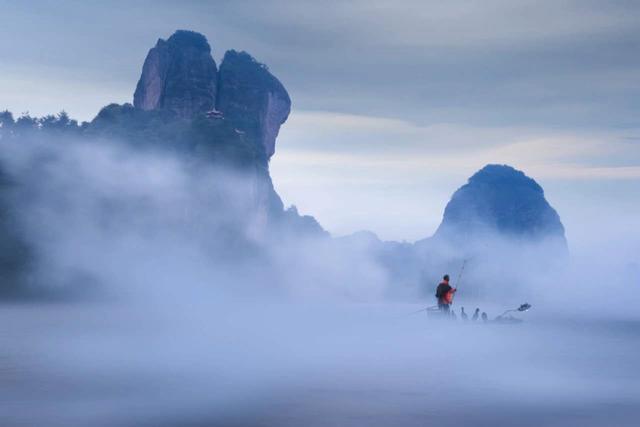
485,318
444,293
463,315
476,314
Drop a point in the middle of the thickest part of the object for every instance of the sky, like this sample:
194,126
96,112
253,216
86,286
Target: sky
395,104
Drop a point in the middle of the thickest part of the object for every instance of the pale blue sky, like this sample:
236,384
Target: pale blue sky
395,103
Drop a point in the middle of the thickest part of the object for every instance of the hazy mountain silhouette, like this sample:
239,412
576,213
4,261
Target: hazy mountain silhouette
228,118
500,199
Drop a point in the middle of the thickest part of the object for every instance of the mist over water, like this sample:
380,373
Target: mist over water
280,364
177,324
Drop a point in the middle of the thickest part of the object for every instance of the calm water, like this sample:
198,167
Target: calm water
204,364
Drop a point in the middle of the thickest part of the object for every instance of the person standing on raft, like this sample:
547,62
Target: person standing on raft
444,293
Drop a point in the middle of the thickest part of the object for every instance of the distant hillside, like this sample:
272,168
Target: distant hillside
500,199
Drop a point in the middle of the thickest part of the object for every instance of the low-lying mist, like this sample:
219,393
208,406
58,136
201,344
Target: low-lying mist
103,217
192,309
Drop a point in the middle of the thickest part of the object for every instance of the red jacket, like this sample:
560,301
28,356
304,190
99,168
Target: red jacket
444,293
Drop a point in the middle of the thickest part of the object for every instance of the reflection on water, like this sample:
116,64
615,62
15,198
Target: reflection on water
266,364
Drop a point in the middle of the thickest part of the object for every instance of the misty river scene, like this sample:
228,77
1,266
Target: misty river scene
309,214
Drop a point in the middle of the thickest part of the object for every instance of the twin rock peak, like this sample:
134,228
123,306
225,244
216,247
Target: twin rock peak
180,75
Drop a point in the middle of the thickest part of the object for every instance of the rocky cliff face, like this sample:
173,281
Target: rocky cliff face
231,116
500,199
178,75
252,98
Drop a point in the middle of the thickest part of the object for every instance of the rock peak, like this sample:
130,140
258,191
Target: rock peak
253,98
178,75
189,39
502,174
500,199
